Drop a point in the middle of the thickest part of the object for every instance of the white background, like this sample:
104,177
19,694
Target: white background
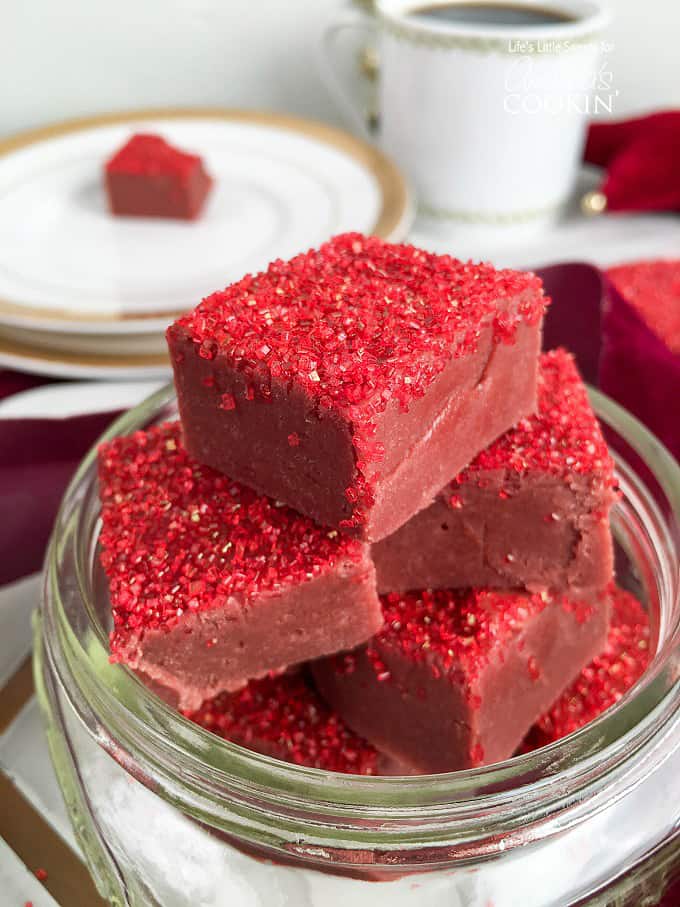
61,58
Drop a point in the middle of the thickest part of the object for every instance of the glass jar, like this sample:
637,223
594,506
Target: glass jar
169,814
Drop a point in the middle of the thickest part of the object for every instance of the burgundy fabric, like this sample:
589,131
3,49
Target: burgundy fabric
13,382
640,157
574,317
37,459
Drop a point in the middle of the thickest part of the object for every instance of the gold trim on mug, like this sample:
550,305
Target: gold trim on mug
497,218
403,31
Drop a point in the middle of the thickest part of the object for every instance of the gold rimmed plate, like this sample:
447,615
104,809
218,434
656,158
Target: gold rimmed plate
26,352
282,184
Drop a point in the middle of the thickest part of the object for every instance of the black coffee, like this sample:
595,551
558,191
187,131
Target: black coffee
503,14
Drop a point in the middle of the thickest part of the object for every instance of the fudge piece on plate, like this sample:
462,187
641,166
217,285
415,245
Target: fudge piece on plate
456,678
605,680
147,177
211,584
354,380
284,717
531,511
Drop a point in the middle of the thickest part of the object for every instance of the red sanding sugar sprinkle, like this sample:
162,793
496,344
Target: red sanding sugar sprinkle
458,632
604,681
360,321
562,438
653,289
41,874
177,536
151,155
284,717
360,324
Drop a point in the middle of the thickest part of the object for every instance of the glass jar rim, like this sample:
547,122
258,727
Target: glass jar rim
165,748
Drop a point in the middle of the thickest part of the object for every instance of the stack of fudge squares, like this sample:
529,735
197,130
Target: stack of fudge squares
377,540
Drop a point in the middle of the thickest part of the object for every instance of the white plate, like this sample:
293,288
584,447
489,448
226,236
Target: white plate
281,185
101,344
36,360
76,398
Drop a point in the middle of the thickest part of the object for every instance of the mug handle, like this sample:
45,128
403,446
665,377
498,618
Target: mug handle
327,63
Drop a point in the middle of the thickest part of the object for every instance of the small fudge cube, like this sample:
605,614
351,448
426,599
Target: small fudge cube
284,717
605,680
456,678
531,511
653,289
352,381
640,356
211,584
147,177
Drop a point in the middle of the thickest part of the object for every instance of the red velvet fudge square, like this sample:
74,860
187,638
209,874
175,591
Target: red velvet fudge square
213,585
147,177
652,288
531,511
285,718
352,381
640,356
456,678
608,677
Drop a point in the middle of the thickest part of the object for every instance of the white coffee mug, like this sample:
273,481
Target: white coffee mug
486,120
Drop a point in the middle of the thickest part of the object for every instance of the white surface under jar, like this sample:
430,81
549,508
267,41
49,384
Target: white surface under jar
168,814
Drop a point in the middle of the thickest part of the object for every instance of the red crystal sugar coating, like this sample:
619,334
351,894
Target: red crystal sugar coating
605,680
653,289
457,632
456,679
359,325
285,718
359,320
177,536
562,438
151,155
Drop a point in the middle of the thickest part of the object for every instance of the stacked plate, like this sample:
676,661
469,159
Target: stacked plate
84,294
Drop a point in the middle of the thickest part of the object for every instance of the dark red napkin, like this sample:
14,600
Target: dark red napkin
640,158
14,382
37,459
574,317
